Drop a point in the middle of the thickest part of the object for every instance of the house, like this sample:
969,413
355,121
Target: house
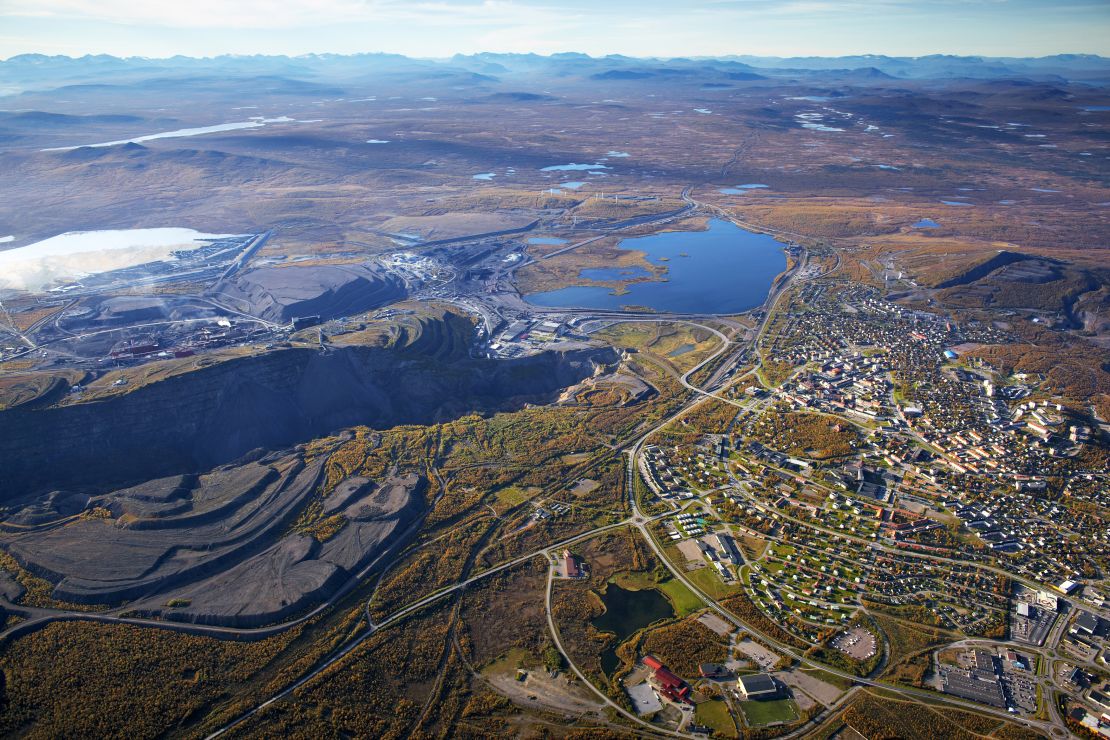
571,569
758,686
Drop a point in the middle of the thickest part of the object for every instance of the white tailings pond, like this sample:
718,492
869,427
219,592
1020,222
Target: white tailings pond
76,253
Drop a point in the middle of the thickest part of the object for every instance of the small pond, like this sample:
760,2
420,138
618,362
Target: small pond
625,613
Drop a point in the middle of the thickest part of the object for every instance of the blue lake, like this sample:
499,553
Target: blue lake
926,223
724,269
550,240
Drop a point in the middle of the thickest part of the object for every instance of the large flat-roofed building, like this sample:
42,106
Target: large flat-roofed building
985,662
974,685
1068,587
1086,624
758,686
727,547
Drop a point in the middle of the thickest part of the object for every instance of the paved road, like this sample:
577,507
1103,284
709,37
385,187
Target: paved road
373,628
559,646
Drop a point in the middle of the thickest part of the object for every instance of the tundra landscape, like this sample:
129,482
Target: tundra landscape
555,396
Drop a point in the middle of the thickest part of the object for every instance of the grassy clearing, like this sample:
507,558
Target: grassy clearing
760,713
710,582
512,496
830,678
508,663
679,345
715,714
682,599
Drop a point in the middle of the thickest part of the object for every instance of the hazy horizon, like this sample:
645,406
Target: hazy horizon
553,54
652,28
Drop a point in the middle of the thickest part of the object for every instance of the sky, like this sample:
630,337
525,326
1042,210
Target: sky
664,28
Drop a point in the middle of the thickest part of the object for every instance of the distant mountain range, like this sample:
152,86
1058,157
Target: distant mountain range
29,72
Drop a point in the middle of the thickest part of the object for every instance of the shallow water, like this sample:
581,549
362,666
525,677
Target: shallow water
742,189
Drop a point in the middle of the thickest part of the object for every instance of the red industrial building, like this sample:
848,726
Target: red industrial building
668,684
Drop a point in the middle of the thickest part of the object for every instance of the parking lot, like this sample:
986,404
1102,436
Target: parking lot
856,643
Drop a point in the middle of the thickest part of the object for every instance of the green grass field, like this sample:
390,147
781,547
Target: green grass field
709,581
512,496
715,714
759,713
684,600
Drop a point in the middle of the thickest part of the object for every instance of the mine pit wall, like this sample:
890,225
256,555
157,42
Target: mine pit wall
214,415
983,269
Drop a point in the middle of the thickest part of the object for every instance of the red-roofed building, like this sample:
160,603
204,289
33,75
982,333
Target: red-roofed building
668,684
668,679
571,566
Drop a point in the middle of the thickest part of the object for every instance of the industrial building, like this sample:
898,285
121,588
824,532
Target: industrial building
757,686
666,683
977,685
